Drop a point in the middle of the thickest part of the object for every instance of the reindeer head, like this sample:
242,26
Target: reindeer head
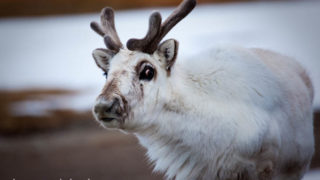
137,76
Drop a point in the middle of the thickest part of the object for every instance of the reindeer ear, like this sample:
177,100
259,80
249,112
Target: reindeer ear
102,58
168,50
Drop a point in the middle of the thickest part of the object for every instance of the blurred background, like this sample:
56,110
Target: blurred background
49,81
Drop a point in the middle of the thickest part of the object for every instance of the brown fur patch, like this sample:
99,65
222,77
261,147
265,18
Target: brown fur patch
137,90
124,73
141,90
110,88
171,108
126,109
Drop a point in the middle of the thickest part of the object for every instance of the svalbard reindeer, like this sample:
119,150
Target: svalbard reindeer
229,114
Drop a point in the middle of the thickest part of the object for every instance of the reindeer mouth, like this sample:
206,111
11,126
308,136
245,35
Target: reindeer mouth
110,122
107,119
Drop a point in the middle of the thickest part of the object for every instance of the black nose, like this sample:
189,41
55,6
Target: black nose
107,110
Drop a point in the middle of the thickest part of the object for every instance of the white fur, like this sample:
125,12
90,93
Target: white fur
231,113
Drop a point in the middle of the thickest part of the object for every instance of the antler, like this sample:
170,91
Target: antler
156,31
107,29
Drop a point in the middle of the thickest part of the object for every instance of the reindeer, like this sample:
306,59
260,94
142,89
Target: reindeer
231,113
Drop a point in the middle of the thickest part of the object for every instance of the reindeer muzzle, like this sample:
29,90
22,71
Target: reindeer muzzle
108,110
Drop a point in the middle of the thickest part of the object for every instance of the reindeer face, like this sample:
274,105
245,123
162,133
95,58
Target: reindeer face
134,80
136,75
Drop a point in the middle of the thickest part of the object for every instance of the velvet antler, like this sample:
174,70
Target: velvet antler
107,29
156,31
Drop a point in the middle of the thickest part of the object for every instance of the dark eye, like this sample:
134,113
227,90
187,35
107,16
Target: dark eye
105,74
147,73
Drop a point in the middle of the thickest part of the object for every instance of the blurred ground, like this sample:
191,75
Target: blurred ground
77,153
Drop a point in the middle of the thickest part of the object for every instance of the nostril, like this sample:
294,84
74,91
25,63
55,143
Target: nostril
108,109
97,108
113,106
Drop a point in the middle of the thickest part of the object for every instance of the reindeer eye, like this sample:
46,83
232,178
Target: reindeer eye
147,73
105,74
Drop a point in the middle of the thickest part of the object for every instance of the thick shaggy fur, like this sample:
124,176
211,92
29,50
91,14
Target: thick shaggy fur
230,114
